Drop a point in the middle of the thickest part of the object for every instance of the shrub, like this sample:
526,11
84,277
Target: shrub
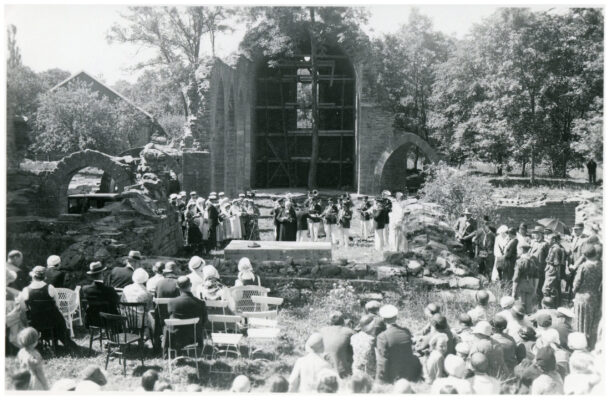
455,190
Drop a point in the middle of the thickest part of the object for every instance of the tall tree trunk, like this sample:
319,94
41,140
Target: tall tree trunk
315,140
523,164
533,166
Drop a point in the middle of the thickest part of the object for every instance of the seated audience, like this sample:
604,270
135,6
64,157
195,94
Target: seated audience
195,266
582,377
15,315
462,350
137,293
372,308
490,348
506,304
304,376
436,358
98,296
54,275
186,306
167,287
506,342
337,344
482,382
402,386
359,383
149,379
120,277
278,384
211,288
246,275
41,300
516,321
455,368
64,385
549,381
15,264
363,346
481,311
526,344
464,330
328,381
151,284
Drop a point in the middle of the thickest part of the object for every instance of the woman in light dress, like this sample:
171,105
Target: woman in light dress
223,231
398,240
235,220
203,219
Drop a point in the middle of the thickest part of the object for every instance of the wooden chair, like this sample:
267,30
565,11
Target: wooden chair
264,303
136,317
114,328
170,323
161,314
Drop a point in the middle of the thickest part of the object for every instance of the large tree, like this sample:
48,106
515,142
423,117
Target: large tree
278,32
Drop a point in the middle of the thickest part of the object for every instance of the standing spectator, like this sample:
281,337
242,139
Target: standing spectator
506,342
194,238
522,237
481,311
329,218
386,202
98,296
30,359
253,214
151,284
524,278
54,275
235,212
379,224
587,295
539,250
211,213
592,170
555,264
549,382
302,224
510,256
120,277
575,254
304,376
287,219
500,244
482,382
483,241
455,368
314,216
337,344
167,287
436,359
278,206
363,346
465,230
344,223
395,358
15,264
183,307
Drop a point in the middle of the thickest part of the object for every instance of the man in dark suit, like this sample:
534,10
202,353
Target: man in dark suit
120,277
337,344
54,275
98,296
167,287
183,307
395,359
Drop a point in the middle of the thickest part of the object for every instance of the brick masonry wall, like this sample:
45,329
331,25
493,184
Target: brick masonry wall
514,215
196,167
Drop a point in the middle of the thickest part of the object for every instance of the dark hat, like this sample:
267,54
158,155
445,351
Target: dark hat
169,268
556,237
183,282
579,225
499,322
331,200
522,225
512,231
545,359
544,320
314,192
527,333
95,268
518,309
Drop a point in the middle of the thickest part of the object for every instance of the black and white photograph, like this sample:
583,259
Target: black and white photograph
304,198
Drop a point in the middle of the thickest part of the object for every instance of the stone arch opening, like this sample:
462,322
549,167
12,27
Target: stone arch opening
390,169
57,184
218,147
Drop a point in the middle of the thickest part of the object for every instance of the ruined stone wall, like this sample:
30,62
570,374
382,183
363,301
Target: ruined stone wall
514,215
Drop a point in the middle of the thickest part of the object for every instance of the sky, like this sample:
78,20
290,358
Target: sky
73,37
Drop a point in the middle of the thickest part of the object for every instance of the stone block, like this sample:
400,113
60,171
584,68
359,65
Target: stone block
278,251
387,272
393,257
414,266
468,282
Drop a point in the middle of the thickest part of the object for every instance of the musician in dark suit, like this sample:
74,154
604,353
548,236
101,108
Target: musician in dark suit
120,277
98,296
54,275
183,307
395,358
379,223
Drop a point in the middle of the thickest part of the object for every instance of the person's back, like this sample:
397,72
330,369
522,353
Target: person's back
309,367
186,306
395,355
99,298
56,277
337,346
482,382
167,288
120,277
492,350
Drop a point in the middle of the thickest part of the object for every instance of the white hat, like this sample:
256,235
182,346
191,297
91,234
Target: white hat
53,261
244,264
455,366
195,263
388,311
139,276
577,341
548,337
502,229
462,348
63,385
507,301
11,276
483,328
209,271
566,311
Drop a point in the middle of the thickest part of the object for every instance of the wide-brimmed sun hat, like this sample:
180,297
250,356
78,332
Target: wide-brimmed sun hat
388,311
139,276
53,261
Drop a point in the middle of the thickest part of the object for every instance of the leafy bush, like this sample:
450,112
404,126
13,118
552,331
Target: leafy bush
455,190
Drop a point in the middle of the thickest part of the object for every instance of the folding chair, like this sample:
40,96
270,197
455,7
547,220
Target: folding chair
242,295
224,335
161,314
217,306
261,319
264,303
114,327
172,323
262,335
69,304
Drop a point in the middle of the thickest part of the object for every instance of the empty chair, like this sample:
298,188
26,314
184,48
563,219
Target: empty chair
258,336
174,348
69,305
118,339
225,334
261,319
264,303
217,306
242,296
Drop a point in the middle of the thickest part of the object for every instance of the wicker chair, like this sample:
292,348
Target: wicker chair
69,305
242,296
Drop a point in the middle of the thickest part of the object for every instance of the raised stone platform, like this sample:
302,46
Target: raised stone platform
277,251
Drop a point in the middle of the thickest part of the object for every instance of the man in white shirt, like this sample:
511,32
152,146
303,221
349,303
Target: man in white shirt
305,374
